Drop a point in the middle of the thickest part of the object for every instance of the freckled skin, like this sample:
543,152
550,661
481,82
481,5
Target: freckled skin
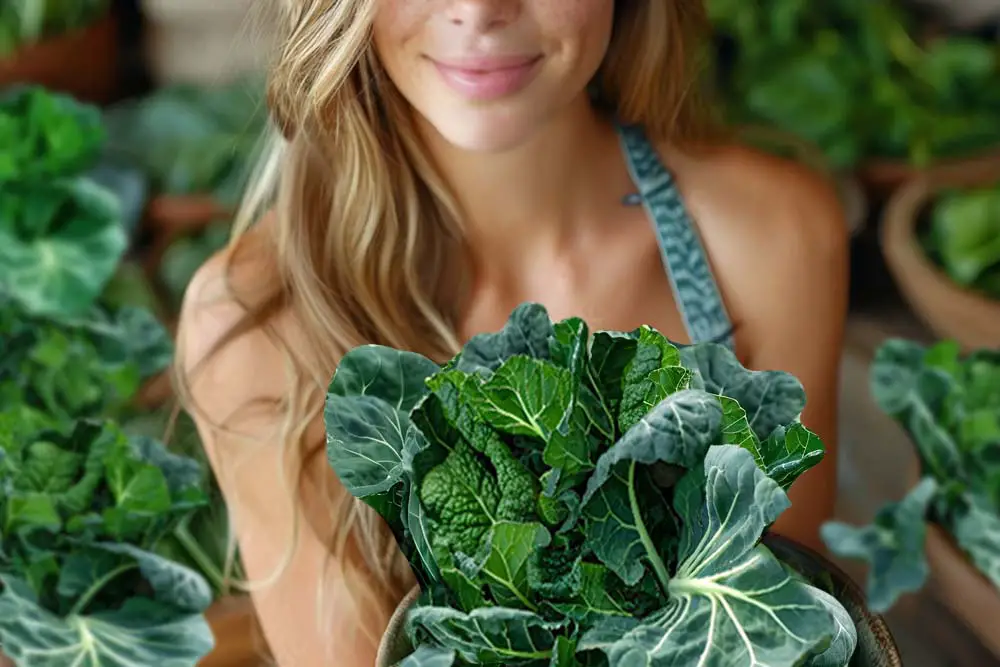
572,35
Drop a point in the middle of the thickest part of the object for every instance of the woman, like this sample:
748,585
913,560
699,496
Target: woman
442,161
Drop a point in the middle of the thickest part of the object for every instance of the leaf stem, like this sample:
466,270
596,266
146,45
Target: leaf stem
198,555
647,541
95,588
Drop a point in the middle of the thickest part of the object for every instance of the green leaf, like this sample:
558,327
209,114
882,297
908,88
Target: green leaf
60,243
527,332
976,528
140,634
526,396
429,656
731,601
789,452
487,635
916,396
769,398
396,377
172,583
650,376
511,546
893,546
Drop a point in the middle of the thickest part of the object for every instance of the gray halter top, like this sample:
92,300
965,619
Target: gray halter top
694,286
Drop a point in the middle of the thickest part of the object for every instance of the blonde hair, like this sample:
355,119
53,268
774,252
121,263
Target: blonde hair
367,233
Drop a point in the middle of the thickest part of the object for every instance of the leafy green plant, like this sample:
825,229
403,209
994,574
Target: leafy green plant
192,140
800,67
949,405
576,500
61,233
25,22
964,238
81,513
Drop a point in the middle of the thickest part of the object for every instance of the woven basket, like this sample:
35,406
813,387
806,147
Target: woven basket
950,310
876,647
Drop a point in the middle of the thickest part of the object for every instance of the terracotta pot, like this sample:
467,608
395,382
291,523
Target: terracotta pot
169,217
950,310
876,647
238,637
881,178
82,63
156,392
956,582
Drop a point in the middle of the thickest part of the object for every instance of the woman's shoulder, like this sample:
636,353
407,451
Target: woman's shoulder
774,229
227,323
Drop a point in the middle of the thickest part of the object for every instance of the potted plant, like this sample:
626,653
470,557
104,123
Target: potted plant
949,405
941,240
575,499
67,46
197,145
75,359
928,99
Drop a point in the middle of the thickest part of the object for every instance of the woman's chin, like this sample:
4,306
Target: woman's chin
493,130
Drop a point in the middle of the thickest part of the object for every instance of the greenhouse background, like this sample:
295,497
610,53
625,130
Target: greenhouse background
127,129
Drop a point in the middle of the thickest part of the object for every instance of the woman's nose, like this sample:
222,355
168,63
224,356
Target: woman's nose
483,15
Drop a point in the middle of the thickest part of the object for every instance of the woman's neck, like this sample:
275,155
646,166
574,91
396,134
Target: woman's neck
540,192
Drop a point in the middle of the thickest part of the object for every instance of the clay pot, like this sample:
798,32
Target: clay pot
956,582
881,178
876,647
82,63
951,311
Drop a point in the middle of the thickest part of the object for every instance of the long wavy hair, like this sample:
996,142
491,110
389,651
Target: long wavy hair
368,240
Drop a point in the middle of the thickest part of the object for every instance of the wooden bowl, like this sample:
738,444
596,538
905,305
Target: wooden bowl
82,63
951,311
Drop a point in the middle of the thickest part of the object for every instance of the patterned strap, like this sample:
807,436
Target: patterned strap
695,288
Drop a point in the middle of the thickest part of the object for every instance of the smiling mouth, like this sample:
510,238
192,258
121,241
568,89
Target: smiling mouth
488,78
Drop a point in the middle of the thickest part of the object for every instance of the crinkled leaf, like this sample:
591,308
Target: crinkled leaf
893,545
652,374
527,332
769,398
526,396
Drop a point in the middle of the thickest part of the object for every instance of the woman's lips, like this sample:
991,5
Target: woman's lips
491,78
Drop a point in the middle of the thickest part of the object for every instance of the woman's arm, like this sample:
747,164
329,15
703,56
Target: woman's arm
290,571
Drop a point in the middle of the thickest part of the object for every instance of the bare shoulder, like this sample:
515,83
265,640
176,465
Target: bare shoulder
773,204
775,233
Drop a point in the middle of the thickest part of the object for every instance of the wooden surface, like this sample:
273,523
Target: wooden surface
874,459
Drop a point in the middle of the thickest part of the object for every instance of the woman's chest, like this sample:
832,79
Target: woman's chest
618,286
